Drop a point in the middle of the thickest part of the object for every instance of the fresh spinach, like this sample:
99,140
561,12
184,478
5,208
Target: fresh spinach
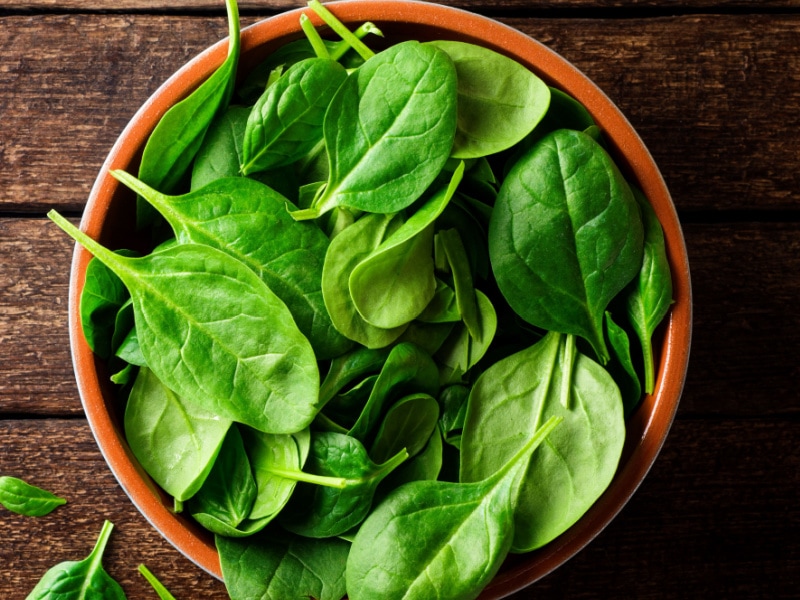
499,100
23,498
276,564
650,294
621,365
192,302
174,440
102,297
423,532
79,580
168,154
565,236
402,101
408,425
286,122
511,399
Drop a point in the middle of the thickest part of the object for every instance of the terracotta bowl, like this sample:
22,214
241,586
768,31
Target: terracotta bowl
110,209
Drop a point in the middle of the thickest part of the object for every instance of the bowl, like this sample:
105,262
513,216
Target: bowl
110,210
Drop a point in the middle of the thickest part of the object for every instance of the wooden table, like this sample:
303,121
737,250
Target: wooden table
713,88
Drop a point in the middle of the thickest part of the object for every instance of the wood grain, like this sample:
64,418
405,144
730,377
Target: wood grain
745,319
715,98
721,507
263,6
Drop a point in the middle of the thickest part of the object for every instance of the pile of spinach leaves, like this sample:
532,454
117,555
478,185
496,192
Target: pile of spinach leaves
371,345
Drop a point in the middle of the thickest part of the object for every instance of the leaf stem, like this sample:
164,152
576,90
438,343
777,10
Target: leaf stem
334,482
340,29
162,592
106,256
313,37
568,361
649,366
96,556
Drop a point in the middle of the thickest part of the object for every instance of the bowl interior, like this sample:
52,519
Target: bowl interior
110,211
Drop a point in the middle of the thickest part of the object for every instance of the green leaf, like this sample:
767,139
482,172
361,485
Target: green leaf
174,440
286,122
276,564
499,100
25,499
567,474
621,365
389,130
172,145
80,580
424,532
193,302
408,424
650,294
249,221
103,296
323,511
565,236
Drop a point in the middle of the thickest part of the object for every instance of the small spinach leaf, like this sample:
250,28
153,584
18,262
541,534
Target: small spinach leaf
25,499
78,580
408,424
621,365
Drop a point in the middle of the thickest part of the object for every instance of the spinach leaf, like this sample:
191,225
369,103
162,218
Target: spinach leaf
192,302
459,267
568,473
621,365
348,367
650,294
453,401
228,493
319,511
25,499
565,236
276,564
237,216
443,307
499,100
395,283
174,440
344,253
408,370
219,155
80,580
408,424
102,297
388,130
425,531
286,122
172,145
158,587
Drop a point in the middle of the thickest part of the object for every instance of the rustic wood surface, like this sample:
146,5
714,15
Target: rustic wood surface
712,87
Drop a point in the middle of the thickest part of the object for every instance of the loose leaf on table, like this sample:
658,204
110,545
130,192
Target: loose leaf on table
499,100
175,440
568,473
80,580
408,424
389,130
226,498
276,564
424,532
395,283
23,498
621,365
174,142
344,253
650,294
158,587
286,121
565,236
192,302
249,221
319,511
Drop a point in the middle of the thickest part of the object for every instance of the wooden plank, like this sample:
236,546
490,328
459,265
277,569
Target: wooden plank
245,6
746,322
714,97
719,508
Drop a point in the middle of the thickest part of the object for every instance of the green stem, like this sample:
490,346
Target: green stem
334,482
391,464
162,592
234,43
538,437
649,367
103,254
568,360
96,556
340,29
363,30
155,198
313,37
